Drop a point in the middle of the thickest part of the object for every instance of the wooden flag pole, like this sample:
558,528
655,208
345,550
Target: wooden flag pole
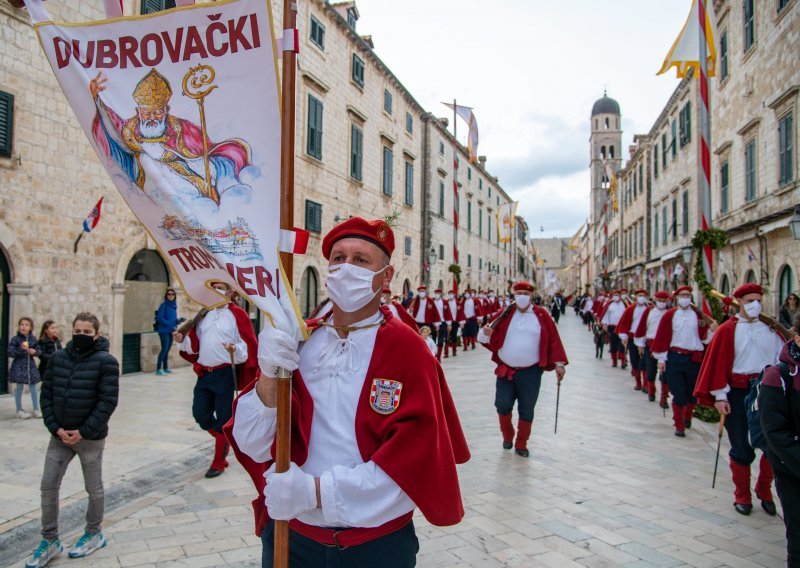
283,430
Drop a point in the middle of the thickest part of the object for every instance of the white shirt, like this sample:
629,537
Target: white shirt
392,309
431,345
439,303
216,329
685,332
587,306
755,346
469,308
453,304
521,346
637,316
421,307
653,319
613,313
353,493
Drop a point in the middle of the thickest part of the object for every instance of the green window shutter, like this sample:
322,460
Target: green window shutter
409,183
313,217
723,178
151,6
356,137
388,170
6,124
314,138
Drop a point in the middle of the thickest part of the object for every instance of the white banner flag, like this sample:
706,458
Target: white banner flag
506,214
182,108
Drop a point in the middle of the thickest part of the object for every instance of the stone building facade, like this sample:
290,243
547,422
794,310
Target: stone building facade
754,157
369,159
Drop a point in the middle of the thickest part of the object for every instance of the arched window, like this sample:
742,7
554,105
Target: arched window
603,152
611,152
750,277
310,291
725,285
406,288
786,281
607,123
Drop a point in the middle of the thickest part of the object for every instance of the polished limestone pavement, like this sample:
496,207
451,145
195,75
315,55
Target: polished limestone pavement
614,486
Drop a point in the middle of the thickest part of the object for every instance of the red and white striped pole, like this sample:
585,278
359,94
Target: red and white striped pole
455,195
705,144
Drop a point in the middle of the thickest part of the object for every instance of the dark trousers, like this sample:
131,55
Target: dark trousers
213,397
395,550
556,314
163,355
524,389
637,361
681,377
470,328
651,365
442,337
788,488
615,342
736,425
453,333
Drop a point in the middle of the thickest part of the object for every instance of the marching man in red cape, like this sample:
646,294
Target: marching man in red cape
445,324
739,351
628,323
223,335
375,433
397,309
609,319
457,313
472,311
423,311
524,343
643,338
678,346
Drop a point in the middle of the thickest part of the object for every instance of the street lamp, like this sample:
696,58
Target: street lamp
794,223
687,254
432,258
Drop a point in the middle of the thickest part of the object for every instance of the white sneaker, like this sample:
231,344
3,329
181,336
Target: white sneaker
87,544
44,553
23,415
37,414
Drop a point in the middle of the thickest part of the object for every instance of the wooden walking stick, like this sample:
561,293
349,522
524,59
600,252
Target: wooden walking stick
558,397
719,443
283,426
235,379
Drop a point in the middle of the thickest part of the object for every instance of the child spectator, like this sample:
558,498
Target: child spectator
600,339
49,343
425,332
23,347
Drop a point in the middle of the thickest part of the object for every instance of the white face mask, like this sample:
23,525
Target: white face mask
491,296
467,295
684,302
661,305
437,296
451,296
641,300
422,295
384,301
522,301
615,298
350,286
753,309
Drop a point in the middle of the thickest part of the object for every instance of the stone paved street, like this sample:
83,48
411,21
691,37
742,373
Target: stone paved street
614,487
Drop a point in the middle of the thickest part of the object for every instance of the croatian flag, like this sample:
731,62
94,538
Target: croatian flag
94,217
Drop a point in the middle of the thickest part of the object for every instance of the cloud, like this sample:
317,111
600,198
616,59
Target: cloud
559,204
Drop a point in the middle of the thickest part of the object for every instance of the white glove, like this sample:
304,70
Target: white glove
276,349
288,495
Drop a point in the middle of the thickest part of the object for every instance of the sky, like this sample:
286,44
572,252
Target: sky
532,69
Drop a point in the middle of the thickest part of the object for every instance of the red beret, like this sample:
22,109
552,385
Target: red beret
746,289
377,232
437,291
640,291
727,301
661,295
421,288
523,286
683,289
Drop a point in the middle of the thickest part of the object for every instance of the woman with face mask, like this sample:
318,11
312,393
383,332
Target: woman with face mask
740,349
678,346
524,343
643,338
372,411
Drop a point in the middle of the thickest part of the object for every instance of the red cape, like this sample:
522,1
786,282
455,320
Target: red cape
479,313
551,350
245,372
431,313
663,339
641,329
418,445
448,316
626,321
405,317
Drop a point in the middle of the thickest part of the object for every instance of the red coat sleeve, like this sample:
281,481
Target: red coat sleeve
551,350
641,329
663,337
717,364
246,372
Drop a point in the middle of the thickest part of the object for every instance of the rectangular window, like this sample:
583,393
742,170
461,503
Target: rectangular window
664,151
749,24
686,124
641,178
724,188
685,212
469,216
655,161
786,149
409,183
480,222
441,148
673,142
488,227
388,170
441,198
356,151
641,238
441,252
750,171
313,216
6,124
151,6
664,228
351,18
387,101
317,33
635,242
655,229
723,56
409,123
358,70
480,264
408,246
634,184
674,226
469,261
469,174
314,138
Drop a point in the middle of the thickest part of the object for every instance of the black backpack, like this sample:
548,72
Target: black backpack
155,320
757,439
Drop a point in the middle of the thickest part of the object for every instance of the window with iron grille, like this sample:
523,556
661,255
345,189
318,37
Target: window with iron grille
314,138
317,33
388,167
6,124
151,6
786,149
358,70
313,216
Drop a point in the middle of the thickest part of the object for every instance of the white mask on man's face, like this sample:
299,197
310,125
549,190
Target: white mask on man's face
451,296
522,301
641,300
350,286
661,305
753,309
467,295
422,295
437,296
684,302
615,298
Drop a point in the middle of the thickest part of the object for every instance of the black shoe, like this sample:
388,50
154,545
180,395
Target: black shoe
213,472
624,365
680,433
742,508
507,445
769,507
664,405
523,453
688,424
651,397
637,388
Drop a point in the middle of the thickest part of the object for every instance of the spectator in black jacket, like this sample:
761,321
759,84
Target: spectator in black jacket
779,404
79,393
49,343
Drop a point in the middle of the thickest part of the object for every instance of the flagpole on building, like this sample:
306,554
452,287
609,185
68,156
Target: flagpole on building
705,141
455,194
283,429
